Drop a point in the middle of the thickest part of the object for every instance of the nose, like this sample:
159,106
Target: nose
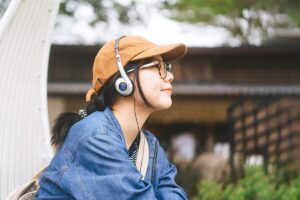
170,77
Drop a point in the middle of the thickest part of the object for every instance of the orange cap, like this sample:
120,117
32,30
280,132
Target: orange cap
131,48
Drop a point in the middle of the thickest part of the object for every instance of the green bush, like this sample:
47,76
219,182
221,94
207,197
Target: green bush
255,185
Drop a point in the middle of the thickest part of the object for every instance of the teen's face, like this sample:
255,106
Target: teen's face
157,91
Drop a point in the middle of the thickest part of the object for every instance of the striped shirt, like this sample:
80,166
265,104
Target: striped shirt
133,150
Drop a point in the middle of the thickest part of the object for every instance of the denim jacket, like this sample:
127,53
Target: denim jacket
93,164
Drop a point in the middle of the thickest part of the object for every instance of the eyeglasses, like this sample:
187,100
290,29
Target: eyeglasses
163,67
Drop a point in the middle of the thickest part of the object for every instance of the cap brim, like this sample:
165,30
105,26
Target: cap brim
169,52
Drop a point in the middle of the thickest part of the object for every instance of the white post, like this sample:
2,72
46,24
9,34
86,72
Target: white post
25,31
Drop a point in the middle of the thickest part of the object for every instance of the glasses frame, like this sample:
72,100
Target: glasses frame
166,67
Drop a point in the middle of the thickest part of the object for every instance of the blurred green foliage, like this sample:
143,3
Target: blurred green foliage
255,185
3,6
205,10
250,21
102,9
245,19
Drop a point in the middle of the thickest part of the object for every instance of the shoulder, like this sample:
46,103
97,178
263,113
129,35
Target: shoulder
90,138
93,125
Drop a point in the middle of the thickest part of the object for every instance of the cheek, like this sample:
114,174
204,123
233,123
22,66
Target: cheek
150,83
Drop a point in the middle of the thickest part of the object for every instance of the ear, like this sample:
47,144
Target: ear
124,88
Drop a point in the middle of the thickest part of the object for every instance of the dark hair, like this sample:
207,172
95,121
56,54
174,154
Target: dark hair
106,97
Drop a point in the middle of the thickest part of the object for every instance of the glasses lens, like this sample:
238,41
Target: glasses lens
169,67
164,68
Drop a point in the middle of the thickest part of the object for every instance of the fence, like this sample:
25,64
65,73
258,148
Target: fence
268,126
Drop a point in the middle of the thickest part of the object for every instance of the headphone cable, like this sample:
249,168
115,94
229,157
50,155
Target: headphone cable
140,137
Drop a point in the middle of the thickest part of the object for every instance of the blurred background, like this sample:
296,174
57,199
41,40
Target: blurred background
233,130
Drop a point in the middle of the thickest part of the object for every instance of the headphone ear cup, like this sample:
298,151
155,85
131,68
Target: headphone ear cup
124,88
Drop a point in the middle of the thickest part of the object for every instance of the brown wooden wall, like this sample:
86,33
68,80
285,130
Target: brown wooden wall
272,65
200,97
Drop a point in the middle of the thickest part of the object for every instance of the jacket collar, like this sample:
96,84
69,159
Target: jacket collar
113,120
115,123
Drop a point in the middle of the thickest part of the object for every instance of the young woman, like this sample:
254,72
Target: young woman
103,152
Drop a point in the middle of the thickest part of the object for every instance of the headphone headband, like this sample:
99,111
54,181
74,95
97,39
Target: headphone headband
123,85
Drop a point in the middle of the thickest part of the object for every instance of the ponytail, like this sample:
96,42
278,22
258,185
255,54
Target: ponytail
61,126
105,98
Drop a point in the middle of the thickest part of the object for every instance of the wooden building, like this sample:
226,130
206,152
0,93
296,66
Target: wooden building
207,81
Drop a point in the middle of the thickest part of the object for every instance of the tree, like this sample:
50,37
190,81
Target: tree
102,8
3,6
247,19
127,12
250,21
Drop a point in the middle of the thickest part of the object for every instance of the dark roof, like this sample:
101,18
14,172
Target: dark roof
244,50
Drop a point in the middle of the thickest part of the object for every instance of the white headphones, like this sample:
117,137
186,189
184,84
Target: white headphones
123,85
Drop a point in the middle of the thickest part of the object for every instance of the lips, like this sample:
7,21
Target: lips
167,90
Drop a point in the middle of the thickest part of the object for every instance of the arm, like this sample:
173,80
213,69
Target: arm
167,187
105,172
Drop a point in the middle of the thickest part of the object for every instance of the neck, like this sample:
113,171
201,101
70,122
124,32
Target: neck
126,116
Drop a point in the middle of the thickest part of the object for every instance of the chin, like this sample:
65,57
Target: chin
165,104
